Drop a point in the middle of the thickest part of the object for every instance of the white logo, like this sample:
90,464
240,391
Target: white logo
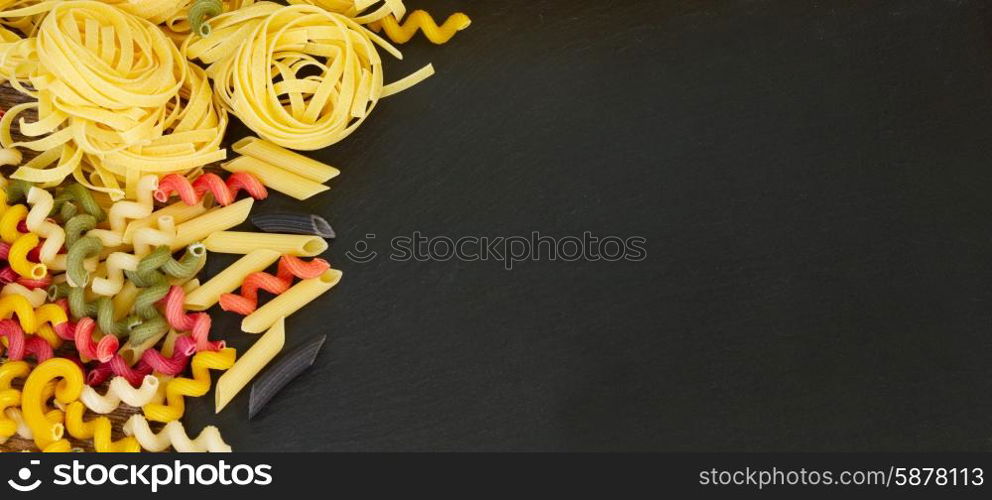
25,474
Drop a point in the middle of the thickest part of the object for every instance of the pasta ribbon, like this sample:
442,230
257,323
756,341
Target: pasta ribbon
99,429
115,96
364,11
174,435
249,47
197,386
46,432
420,20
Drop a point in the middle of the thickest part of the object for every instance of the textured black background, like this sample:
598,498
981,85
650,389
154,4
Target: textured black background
813,179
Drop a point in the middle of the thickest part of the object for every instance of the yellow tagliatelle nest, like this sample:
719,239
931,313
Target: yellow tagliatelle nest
298,75
115,98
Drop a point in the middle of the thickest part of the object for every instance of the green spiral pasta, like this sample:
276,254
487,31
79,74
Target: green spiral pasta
147,273
77,226
76,197
105,319
188,264
152,266
81,250
200,11
144,303
66,211
78,306
17,190
147,329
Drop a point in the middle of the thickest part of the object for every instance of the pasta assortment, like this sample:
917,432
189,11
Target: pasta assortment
107,225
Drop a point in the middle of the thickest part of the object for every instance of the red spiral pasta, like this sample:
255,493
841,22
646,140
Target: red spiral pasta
35,283
182,352
224,192
20,345
151,360
101,351
198,324
8,275
4,250
289,267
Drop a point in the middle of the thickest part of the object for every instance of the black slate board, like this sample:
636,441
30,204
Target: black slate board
813,181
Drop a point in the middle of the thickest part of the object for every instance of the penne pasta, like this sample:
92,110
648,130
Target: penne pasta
289,302
249,364
179,211
230,278
273,177
243,242
285,159
211,222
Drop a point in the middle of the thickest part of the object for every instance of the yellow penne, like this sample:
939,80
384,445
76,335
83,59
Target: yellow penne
243,242
213,221
285,159
231,278
179,211
292,300
273,177
249,364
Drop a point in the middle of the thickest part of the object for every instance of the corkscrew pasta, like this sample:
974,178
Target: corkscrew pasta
106,227
421,21
120,391
179,388
174,435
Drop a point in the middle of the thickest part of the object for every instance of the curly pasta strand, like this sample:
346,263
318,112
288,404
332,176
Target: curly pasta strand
224,192
33,399
10,398
289,267
120,391
99,429
42,203
174,435
179,388
420,20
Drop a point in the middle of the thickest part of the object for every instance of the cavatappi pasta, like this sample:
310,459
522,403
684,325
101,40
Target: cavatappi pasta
116,187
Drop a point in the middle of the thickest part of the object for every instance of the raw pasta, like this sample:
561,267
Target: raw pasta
249,364
230,278
289,302
285,159
174,435
244,242
273,177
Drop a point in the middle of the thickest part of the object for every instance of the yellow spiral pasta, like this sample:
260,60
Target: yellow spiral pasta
10,398
419,20
28,317
18,257
174,435
9,220
99,429
250,47
177,388
33,400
